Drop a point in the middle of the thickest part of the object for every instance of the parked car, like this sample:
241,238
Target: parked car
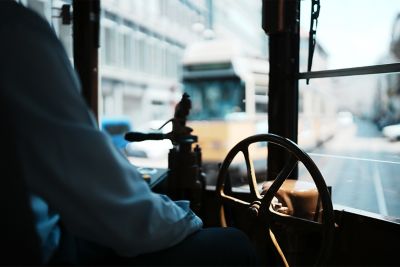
116,127
345,118
392,132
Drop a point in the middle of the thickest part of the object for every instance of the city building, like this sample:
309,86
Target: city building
142,46
240,22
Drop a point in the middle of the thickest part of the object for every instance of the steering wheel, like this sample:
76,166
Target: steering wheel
262,207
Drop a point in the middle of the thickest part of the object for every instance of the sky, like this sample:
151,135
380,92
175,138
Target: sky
354,32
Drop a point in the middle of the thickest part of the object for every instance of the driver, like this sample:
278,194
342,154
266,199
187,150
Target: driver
90,204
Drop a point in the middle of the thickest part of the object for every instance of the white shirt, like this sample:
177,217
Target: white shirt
66,161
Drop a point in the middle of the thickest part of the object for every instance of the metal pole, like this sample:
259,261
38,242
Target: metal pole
281,21
86,25
375,69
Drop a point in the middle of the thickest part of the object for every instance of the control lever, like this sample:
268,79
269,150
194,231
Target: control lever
138,137
185,177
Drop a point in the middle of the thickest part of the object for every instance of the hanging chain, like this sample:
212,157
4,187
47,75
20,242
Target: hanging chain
315,8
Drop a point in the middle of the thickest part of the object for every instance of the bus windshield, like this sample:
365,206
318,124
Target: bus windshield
215,99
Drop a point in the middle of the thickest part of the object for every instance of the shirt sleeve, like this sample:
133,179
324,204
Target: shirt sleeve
68,162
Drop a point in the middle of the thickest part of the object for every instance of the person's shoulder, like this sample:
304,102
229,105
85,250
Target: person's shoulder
22,27
14,15
12,11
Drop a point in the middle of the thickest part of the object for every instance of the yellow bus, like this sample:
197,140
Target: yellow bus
229,92
228,89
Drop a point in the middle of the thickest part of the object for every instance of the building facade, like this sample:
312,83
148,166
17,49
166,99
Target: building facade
240,22
142,44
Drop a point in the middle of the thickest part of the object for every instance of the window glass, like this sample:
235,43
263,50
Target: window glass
145,46
215,99
110,38
349,124
351,128
367,32
128,50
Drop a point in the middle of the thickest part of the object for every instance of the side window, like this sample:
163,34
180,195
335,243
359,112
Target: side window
350,124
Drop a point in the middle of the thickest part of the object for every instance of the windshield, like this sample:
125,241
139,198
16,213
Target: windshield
215,99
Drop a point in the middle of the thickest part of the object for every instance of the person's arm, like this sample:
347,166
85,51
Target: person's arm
67,161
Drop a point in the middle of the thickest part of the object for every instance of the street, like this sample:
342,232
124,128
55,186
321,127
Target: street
362,167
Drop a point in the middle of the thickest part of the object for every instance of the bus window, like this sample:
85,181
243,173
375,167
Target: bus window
348,124
261,100
216,98
143,74
145,69
354,154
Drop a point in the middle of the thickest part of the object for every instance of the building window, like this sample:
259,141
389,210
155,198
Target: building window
141,52
128,56
110,45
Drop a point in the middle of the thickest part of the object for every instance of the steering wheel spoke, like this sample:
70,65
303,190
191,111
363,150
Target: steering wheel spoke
251,175
234,202
283,174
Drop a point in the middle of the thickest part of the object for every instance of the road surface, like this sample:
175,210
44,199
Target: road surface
362,167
